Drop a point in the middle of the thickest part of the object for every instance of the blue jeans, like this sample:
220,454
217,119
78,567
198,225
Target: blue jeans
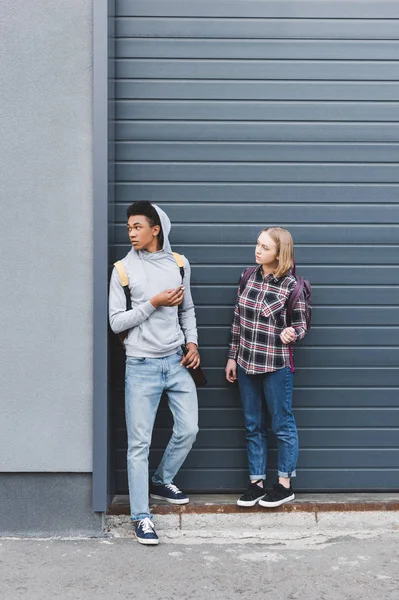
145,381
276,389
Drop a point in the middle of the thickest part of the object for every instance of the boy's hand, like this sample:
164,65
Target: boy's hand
192,358
168,298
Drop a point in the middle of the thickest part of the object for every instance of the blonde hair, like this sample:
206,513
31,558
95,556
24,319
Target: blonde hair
285,249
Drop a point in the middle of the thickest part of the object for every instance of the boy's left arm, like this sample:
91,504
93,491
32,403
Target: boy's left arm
188,321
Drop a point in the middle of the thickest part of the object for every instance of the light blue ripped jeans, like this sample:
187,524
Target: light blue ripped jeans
145,381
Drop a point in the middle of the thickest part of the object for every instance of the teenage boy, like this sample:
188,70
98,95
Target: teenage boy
161,319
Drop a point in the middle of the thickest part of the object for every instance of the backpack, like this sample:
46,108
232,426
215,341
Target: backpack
302,285
123,278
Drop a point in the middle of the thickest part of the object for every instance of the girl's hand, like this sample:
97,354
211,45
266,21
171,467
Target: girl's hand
231,370
288,335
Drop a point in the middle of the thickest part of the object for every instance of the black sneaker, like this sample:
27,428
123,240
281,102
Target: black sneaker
168,492
145,532
279,495
252,495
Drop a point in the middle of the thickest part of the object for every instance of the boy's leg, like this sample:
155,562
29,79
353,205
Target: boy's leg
143,390
183,402
253,403
278,392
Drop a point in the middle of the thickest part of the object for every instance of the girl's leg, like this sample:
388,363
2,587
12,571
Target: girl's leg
253,403
278,392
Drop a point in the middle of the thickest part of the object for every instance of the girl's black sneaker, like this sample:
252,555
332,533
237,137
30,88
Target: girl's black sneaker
279,495
252,495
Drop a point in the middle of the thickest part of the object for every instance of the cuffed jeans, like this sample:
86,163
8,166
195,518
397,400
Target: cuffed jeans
276,389
145,381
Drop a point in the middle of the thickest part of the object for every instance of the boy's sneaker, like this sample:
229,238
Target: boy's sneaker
168,492
145,532
252,495
279,495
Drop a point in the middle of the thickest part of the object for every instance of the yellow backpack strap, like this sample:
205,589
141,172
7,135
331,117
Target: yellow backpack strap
122,273
123,278
180,263
179,259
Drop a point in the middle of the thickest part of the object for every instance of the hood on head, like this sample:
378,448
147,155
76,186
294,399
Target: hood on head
166,227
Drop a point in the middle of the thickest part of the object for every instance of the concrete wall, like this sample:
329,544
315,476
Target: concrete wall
46,236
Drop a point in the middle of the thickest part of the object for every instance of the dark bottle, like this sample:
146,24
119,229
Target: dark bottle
197,374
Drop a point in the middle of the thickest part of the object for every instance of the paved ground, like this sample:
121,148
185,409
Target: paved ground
340,567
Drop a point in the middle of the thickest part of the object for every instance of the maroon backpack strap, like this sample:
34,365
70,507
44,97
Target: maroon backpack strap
294,297
291,302
245,276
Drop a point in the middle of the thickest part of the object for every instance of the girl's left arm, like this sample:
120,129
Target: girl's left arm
299,318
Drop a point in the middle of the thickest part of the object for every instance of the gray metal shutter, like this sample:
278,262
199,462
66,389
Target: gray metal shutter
239,114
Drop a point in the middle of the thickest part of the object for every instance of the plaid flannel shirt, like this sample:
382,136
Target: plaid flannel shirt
259,318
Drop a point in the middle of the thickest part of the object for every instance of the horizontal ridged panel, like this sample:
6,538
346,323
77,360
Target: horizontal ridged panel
305,417
275,28
360,9
243,110
317,234
347,275
315,480
339,172
257,90
322,315
326,336
324,437
319,193
268,212
236,115
260,131
261,152
304,397
304,255
253,70
237,459
260,49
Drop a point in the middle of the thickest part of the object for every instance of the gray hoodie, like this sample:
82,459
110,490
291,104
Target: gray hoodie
153,333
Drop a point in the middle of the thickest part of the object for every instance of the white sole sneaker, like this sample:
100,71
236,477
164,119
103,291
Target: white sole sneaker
170,500
277,503
147,542
248,502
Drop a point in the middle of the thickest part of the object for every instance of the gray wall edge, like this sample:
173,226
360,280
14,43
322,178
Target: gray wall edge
48,504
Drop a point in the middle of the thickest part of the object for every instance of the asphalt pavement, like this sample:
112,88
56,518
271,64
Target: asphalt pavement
334,567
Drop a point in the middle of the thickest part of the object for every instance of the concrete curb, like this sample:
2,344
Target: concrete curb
316,518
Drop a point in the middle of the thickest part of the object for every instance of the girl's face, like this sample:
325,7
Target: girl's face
266,251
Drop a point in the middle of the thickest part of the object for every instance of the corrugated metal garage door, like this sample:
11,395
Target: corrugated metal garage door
235,115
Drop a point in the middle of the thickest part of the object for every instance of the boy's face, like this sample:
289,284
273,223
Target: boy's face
141,235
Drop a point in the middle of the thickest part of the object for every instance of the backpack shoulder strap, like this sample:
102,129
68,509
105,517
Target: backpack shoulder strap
123,278
180,263
178,258
245,276
294,297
